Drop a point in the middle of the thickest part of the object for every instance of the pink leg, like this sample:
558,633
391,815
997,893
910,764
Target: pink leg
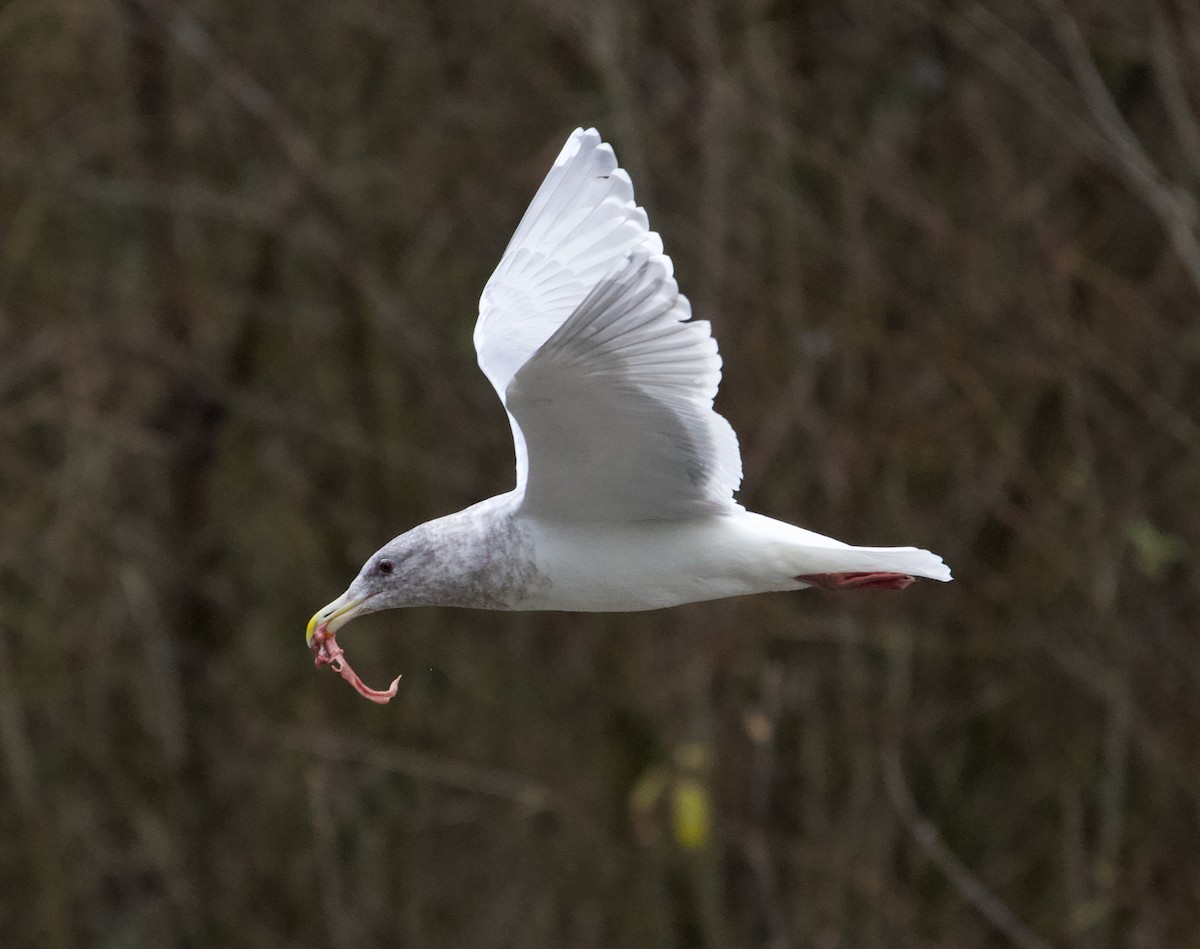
326,652
853,581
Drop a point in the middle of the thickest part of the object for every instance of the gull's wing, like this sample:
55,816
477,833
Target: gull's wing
585,336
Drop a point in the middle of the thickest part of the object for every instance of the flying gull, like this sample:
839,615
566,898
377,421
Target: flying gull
625,474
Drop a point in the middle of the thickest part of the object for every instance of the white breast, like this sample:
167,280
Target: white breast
645,565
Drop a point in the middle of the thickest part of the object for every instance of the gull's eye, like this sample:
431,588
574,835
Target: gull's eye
385,567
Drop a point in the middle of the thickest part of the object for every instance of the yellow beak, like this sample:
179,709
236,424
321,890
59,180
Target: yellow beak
336,615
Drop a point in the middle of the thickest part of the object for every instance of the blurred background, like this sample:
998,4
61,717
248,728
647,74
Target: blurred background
950,250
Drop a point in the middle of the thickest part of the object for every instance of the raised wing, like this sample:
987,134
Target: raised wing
582,332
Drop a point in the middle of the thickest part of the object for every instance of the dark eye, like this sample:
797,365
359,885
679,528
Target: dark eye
385,567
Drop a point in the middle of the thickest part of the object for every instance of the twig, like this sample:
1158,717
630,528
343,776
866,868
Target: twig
168,720
190,36
330,887
304,158
1112,810
1016,63
714,160
1024,70
1170,203
930,841
1175,98
335,746
49,896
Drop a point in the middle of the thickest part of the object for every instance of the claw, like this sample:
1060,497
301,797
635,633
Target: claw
326,651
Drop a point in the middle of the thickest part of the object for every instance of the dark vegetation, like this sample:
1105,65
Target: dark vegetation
951,253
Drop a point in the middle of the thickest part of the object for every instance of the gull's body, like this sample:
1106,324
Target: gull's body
492,556
648,566
625,473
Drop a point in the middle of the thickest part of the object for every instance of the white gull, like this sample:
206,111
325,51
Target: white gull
625,474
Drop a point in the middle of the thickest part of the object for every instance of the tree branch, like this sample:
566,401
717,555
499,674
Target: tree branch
930,841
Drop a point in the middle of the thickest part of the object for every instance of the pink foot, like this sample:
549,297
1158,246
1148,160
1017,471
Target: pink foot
853,581
326,651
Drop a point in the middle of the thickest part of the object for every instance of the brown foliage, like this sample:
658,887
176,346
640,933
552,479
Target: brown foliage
951,254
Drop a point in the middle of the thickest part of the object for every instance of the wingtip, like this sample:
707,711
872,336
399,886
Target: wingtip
582,139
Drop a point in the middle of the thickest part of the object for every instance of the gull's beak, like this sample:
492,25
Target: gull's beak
336,615
322,640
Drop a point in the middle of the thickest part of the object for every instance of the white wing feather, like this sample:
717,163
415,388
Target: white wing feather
585,336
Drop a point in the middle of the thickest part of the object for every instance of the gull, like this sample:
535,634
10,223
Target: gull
625,473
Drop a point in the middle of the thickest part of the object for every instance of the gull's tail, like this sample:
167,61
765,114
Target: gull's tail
820,561
902,561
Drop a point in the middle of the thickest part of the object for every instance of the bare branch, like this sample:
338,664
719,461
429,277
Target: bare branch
1166,71
338,746
50,894
930,841
1172,204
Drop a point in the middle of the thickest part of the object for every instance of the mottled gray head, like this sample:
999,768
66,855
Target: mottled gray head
381,584
476,558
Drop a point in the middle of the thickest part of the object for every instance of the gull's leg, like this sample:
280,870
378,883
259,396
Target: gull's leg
326,651
854,581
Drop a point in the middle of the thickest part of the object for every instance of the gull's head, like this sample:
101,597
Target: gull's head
372,590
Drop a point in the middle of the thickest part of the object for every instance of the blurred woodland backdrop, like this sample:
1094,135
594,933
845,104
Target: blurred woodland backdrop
950,250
